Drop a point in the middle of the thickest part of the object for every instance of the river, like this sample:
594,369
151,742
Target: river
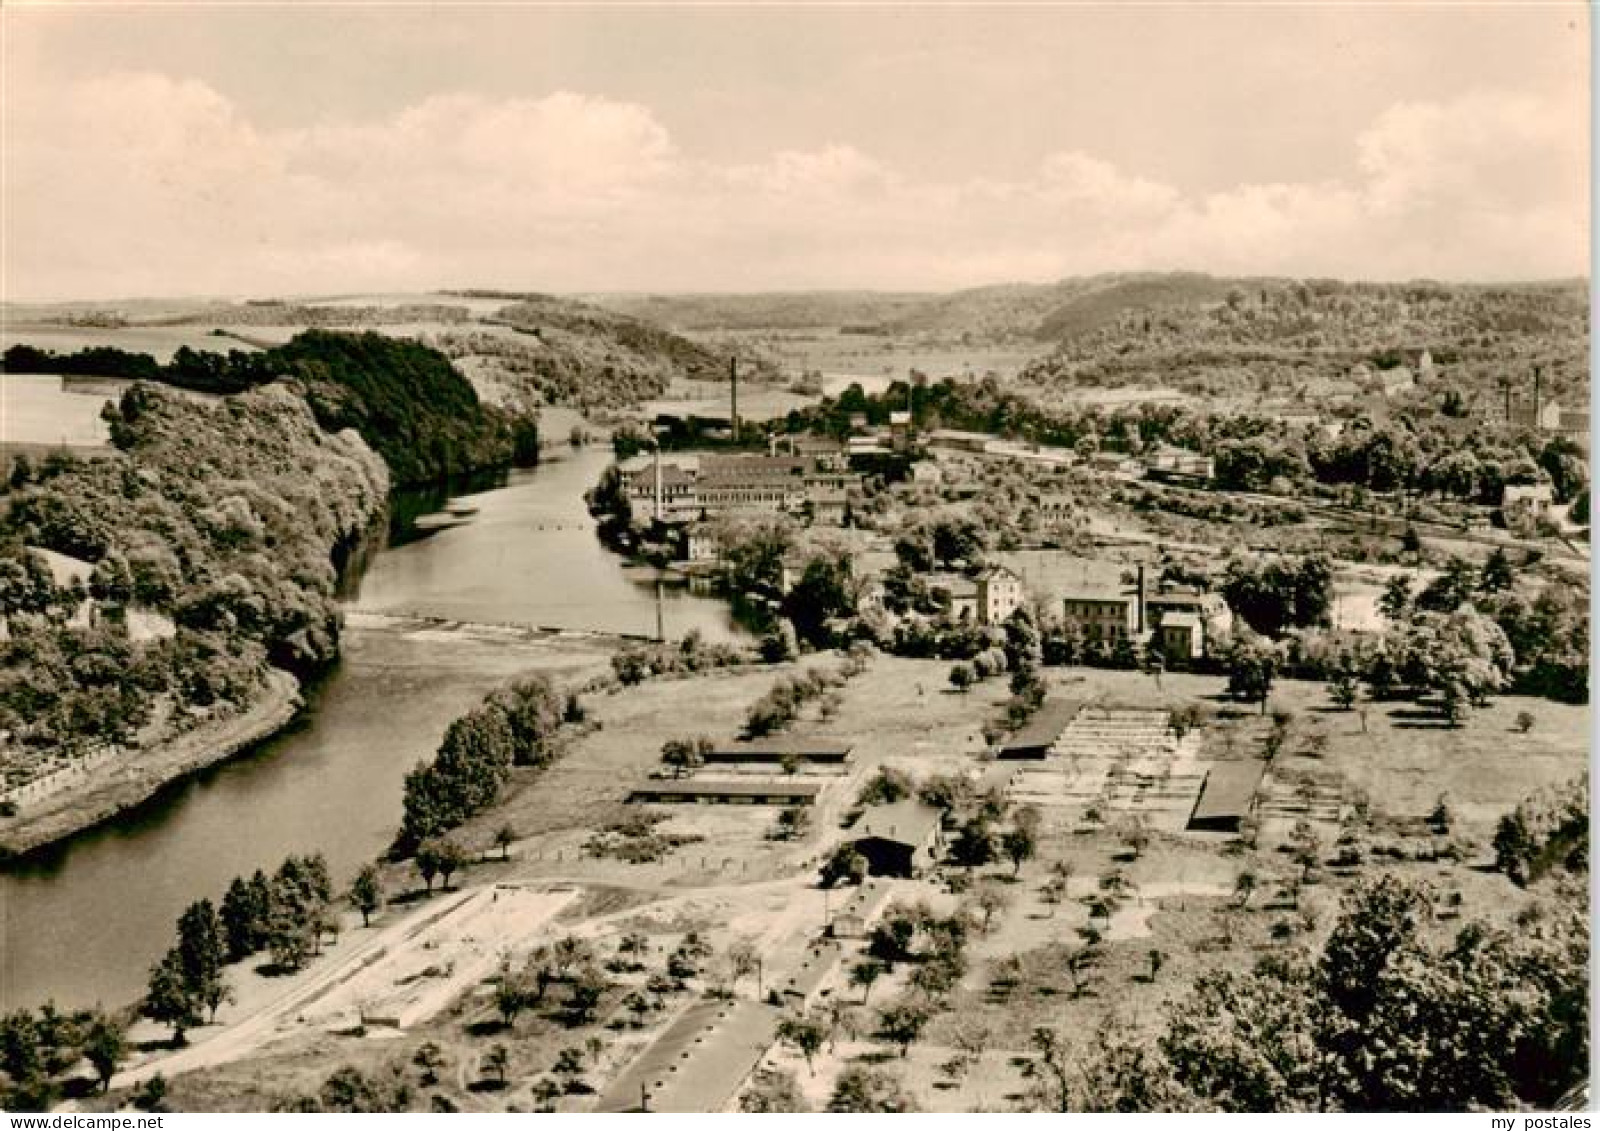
83,921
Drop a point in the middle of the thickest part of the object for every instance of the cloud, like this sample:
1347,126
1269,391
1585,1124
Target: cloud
139,183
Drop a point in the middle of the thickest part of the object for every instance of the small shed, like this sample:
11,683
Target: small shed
1227,796
898,839
1040,733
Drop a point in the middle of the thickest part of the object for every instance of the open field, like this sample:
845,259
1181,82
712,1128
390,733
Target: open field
729,882
160,342
37,409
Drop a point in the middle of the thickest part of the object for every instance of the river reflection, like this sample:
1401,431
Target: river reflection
82,922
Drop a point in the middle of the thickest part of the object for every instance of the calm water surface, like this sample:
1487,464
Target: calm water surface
83,922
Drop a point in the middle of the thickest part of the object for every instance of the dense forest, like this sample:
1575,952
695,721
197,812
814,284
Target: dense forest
224,517
1289,336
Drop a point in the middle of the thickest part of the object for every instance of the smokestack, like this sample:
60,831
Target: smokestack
1538,390
1140,599
656,494
733,382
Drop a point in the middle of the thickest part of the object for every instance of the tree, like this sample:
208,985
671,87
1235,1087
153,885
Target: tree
105,1044
1244,886
1496,575
806,1033
1524,722
512,993
585,994
1252,666
903,1022
1342,687
1052,1090
1135,833
427,863
168,998
962,677
780,645
863,1089
451,859
685,755
202,950
743,959
545,1092
793,821
496,1061
990,900
244,915
1158,959
844,865
366,893
864,975
773,1092
504,837
826,590
1305,847
1396,600
1019,845
430,1058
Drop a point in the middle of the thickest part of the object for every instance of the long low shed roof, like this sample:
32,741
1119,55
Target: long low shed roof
698,787
1229,789
807,750
1041,731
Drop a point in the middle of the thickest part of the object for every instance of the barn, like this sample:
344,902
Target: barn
1227,796
1039,733
900,839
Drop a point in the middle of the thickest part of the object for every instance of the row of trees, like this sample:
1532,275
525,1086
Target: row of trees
287,914
516,726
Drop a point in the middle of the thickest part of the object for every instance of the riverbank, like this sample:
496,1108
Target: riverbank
129,782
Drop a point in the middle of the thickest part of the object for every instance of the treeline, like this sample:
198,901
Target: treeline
406,399
516,726
636,662
288,914
1283,335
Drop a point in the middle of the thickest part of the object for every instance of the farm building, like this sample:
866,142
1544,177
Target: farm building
728,792
898,839
1227,796
772,752
1039,734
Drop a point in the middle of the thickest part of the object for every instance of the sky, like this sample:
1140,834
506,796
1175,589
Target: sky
270,149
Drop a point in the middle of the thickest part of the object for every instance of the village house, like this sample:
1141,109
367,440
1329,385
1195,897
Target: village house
926,473
999,595
1393,382
1187,621
957,593
988,599
1179,465
1116,463
1523,504
1102,614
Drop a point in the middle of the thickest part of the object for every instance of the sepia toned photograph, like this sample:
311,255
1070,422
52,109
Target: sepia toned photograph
794,558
